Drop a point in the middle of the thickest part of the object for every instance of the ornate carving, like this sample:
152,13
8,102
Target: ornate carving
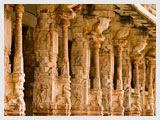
64,98
100,26
139,47
122,33
68,11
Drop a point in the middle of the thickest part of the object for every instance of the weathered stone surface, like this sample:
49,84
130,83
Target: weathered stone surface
80,60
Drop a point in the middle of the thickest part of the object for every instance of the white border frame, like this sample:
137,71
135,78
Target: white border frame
2,2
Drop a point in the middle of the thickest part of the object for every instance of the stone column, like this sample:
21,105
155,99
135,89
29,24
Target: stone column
62,101
18,72
80,68
18,57
143,91
95,99
154,90
136,77
136,110
119,85
96,82
65,23
9,87
46,52
95,35
120,43
127,88
150,105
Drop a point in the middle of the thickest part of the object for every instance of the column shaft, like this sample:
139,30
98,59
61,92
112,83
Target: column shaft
150,85
97,84
18,56
136,68
65,23
119,85
18,72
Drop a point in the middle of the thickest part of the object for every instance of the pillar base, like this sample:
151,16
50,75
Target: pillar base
95,107
127,113
61,110
118,112
13,113
135,113
148,112
79,111
41,109
106,113
119,109
95,111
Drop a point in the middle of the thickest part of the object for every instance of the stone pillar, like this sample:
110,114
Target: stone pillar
107,71
95,99
46,52
9,86
127,88
119,85
80,62
62,103
65,23
136,108
95,35
18,72
143,91
150,106
119,92
96,82
154,90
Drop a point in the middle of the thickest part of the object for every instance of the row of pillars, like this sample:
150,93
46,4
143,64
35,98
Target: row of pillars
18,72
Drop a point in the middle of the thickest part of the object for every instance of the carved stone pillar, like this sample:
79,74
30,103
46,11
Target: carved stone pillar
62,105
119,92
95,35
9,86
136,107
107,73
154,90
127,88
150,100
143,85
95,100
46,51
96,82
65,61
80,64
18,72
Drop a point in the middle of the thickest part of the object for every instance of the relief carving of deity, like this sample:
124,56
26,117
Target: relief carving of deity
42,92
78,59
77,98
64,98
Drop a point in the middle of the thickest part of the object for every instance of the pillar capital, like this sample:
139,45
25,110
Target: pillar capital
19,8
120,42
65,23
136,58
151,61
